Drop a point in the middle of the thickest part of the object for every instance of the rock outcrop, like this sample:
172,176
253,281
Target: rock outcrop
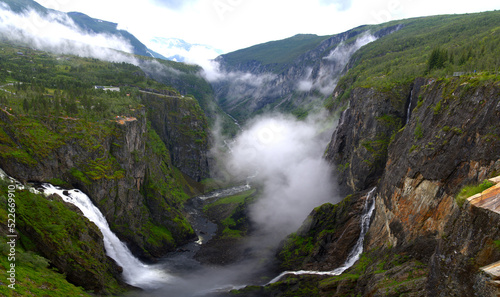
423,240
181,124
450,140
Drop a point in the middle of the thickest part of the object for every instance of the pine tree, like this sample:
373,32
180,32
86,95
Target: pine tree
26,105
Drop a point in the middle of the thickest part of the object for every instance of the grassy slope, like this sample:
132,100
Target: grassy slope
279,52
471,42
61,228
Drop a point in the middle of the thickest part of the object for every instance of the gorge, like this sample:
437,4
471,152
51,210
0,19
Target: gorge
358,164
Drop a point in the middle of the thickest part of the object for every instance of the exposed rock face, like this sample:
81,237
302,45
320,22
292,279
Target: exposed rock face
419,236
181,124
451,140
359,144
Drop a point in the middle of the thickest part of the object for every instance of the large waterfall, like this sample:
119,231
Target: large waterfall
356,252
135,272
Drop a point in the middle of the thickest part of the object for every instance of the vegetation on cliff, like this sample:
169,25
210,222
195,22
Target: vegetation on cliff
431,46
84,123
421,108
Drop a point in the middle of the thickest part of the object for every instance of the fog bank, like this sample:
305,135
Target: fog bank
285,158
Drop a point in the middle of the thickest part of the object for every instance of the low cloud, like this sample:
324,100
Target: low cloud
285,157
56,32
326,77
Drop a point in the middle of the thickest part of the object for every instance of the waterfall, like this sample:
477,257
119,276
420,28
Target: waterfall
408,112
356,252
135,272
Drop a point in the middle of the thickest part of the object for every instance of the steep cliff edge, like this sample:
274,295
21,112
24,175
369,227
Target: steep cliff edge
182,125
451,141
423,237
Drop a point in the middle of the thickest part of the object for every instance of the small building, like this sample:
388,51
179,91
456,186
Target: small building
113,89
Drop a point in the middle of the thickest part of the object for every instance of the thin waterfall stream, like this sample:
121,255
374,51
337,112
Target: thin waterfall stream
356,252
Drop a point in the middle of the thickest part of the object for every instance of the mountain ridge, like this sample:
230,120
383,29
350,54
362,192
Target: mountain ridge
87,24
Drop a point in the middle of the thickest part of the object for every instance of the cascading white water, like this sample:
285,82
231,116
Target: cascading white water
408,112
135,272
356,252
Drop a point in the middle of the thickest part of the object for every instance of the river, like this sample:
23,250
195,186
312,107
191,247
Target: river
179,274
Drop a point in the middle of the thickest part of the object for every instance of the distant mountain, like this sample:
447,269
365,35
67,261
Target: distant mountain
277,53
86,24
291,75
181,51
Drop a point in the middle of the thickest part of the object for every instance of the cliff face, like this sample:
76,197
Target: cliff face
181,124
360,143
450,140
123,165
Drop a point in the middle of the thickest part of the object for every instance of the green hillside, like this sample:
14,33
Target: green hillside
87,24
276,52
437,46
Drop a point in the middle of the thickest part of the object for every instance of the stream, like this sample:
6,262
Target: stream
193,278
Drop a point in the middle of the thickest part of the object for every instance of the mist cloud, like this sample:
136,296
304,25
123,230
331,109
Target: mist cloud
56,32
331,67
286,158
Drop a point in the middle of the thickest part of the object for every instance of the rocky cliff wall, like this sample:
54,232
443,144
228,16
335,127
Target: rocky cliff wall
182,125
452,140
420,145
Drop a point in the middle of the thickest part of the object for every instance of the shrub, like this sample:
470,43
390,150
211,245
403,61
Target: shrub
472,190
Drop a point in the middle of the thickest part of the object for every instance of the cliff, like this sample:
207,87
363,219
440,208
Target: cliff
451,141
422,237
182,125
63,130
121,164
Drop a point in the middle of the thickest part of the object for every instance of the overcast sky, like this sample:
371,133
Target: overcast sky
233,24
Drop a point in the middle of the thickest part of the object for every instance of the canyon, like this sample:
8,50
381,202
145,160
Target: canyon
395,190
